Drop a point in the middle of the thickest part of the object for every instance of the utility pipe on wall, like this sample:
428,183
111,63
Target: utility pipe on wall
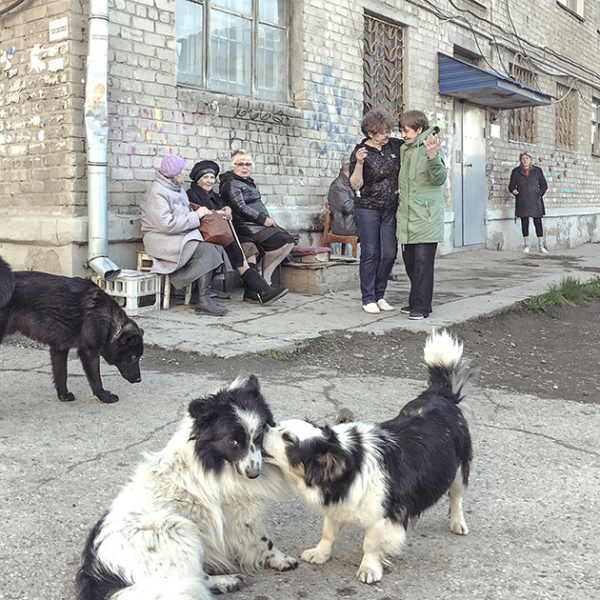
96,126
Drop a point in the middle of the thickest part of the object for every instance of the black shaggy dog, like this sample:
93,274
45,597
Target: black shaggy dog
70,312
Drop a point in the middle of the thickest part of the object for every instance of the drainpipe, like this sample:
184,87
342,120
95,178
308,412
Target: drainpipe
96,126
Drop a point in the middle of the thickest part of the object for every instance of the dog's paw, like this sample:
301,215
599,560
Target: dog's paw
369,574
223,584
282,562
315,556
107,397
459,527
68,397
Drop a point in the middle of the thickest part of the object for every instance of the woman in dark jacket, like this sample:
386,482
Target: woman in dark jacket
528,184
374,167
250,216
201,192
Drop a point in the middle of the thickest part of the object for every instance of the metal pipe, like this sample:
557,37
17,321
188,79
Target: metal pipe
96,125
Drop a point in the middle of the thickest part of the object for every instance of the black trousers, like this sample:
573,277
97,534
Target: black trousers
537,221
418,262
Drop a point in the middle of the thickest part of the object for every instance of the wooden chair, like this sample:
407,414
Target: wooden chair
330,238
144,263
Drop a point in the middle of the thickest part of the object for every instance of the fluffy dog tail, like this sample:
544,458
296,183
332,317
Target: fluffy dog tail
445,363
7,282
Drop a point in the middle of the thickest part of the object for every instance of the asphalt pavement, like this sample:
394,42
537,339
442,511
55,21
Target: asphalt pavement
532,503
468,284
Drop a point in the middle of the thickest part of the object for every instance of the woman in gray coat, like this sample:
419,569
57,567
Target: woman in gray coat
529,185
172,238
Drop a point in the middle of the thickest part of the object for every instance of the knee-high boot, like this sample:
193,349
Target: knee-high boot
257,290
205,304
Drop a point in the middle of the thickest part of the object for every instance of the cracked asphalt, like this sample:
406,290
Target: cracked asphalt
531,508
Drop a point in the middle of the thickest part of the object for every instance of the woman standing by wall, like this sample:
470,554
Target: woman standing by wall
421,207
529,185
374,167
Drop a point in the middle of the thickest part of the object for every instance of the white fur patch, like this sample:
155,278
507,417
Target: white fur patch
442,349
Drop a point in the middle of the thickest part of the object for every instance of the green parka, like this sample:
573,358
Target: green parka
421,201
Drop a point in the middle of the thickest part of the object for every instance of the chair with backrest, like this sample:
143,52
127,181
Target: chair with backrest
330,238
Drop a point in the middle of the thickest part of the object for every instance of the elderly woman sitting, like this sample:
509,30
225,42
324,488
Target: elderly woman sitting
201,192
250,216
172,238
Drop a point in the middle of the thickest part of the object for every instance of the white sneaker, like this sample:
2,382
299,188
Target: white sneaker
526,249
371,308
543,250
383,305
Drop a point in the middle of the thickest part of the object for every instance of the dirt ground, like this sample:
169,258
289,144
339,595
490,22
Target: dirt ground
548,355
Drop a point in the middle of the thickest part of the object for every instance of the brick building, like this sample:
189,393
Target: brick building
288,80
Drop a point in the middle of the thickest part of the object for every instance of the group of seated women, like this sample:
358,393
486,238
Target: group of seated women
173,240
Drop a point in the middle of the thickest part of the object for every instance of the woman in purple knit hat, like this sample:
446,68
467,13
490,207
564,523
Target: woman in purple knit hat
172,238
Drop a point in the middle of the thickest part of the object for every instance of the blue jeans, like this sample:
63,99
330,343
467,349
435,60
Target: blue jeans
378,249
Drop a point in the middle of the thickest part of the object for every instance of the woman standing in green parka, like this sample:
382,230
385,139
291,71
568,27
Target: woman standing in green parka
420,214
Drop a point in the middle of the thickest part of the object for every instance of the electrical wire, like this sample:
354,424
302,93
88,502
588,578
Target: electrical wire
9,8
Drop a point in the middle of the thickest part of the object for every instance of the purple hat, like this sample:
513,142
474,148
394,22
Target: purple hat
171,165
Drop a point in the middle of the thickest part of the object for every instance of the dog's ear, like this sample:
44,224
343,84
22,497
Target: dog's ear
327,466
252,384
203,410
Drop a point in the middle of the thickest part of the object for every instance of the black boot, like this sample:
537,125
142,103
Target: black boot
205,304
256,289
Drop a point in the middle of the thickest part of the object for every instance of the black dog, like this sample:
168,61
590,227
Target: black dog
70,312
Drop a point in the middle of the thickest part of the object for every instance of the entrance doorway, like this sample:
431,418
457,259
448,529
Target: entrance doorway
468,175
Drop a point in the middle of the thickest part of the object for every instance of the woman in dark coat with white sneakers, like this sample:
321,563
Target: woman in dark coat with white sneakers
529,185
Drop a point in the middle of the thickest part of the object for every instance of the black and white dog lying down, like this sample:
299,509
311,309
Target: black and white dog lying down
379,476
193,508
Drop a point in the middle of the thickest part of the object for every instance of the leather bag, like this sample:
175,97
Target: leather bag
214,228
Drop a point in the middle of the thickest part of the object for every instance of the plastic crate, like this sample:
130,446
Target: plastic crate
137,293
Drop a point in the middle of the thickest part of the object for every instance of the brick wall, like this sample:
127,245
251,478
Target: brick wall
296,145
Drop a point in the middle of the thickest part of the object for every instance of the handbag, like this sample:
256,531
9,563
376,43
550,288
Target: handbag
214,228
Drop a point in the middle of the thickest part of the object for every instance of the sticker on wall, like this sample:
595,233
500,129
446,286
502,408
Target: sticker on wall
58,29
57,64
35,63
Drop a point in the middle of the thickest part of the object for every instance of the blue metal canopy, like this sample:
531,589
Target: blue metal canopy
485,88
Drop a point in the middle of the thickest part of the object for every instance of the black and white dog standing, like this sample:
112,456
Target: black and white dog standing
379,476
193,508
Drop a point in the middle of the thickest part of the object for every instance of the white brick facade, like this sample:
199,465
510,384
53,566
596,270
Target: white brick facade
296,145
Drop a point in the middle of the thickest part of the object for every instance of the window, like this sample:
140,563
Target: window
383,73
596,126
575,6
234,46
522,124
566,118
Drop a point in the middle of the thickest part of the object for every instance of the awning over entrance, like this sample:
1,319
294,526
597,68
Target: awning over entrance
485,88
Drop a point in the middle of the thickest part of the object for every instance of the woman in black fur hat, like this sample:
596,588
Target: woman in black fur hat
256,289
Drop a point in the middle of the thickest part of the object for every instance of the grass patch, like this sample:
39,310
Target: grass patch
569,291
274,354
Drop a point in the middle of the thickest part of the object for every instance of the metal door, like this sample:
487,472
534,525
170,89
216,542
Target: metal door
468,175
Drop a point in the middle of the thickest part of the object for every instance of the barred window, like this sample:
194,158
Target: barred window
596,126
522,122
383,65
234,46
566,118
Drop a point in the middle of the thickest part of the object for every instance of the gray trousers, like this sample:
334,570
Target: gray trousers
206,258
